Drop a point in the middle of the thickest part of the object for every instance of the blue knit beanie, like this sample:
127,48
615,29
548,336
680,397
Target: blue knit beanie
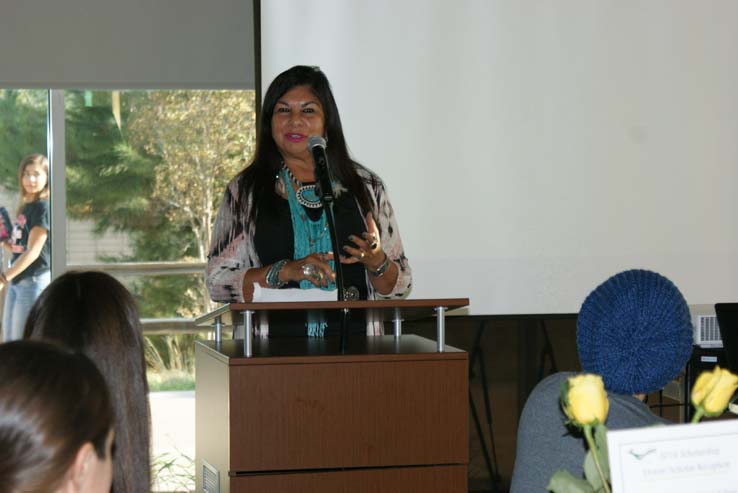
635,330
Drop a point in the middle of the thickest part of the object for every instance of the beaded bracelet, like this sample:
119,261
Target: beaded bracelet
382,268
272,275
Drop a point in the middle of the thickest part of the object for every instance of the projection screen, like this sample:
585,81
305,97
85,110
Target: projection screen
531,148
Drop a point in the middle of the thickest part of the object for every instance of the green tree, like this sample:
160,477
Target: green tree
108,181
202,139
158,172
22,131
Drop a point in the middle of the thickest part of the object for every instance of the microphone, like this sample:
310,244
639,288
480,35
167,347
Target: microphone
323,177
316,141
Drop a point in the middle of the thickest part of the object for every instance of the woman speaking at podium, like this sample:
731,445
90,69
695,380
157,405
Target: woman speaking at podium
271,228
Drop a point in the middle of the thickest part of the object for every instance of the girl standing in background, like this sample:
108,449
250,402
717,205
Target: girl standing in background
29,272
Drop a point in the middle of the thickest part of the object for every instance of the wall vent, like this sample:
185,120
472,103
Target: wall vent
210,478
707,332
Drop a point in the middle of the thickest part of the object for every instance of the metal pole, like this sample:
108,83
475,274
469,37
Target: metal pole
398,323
55,143
218,330
441,326
248,333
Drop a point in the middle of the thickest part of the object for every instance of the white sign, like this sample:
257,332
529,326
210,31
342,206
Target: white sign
687,458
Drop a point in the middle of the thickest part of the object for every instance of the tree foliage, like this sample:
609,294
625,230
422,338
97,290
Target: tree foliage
22,131
108,181
201,139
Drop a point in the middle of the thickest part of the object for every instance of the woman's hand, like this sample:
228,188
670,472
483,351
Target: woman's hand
313,268
367,249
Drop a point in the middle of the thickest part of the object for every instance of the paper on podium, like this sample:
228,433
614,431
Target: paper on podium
266,295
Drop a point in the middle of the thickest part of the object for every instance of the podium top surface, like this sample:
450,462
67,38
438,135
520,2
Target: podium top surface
387,309
294,350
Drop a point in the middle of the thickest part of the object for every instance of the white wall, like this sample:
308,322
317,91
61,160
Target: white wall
533,148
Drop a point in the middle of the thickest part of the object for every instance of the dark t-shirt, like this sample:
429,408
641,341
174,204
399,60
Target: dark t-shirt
32,215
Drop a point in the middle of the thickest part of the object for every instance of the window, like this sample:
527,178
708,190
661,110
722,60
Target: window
145,173
142,175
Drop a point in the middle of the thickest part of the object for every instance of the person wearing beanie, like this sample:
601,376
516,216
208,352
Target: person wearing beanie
635,331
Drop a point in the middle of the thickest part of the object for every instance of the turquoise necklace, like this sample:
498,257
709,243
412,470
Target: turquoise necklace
306,195
309,237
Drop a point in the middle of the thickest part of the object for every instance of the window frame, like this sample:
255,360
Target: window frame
56,148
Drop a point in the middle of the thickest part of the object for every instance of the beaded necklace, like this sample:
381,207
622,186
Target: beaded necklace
309,237
315,233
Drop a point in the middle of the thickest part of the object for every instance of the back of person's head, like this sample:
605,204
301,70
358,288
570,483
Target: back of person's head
634,330
56,421
93,313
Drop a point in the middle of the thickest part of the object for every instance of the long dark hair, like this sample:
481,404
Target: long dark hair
259,178
95,314
52,402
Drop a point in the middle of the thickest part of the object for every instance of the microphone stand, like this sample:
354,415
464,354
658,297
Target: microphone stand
327,197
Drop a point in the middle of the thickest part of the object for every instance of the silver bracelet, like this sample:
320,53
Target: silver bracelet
382,268
272,275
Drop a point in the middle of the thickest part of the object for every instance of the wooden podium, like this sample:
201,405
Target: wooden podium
388,413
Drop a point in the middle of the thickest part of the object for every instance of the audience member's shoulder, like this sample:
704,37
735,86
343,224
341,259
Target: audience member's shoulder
550,386
627,411
543,402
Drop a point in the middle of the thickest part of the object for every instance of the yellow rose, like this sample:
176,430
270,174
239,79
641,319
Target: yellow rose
585,400
712,390
703,386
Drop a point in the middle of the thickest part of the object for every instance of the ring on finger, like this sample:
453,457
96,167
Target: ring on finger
373,245
361,255
309,270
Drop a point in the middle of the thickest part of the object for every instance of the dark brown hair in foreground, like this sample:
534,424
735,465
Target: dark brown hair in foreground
93,313
52,402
